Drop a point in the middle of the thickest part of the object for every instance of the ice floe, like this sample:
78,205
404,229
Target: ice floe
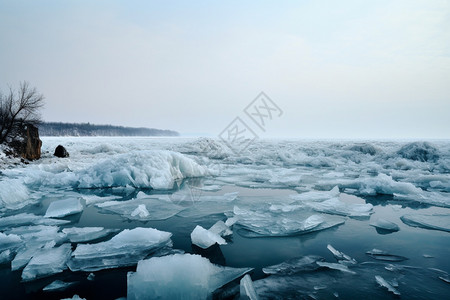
294,265
435,221
383,224
267,223
178,276
205,238
246,289
336,207
341,257
62,208
124,249
47,262
382,282
334,266
142,208
85,234
58,285
28,219
384,255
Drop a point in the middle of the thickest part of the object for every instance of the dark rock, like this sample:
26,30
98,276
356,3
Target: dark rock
60,151
27,143
420,151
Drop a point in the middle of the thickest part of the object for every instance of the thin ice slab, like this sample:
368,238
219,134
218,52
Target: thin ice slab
62,208
124,249
436,221
179,276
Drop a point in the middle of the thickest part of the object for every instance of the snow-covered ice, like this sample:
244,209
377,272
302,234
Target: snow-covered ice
62,208
179,276
124,249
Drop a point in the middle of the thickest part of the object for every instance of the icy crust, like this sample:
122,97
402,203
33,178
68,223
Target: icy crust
178,276
124,249
435,221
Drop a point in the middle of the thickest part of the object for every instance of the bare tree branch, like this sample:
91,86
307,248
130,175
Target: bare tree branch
19,108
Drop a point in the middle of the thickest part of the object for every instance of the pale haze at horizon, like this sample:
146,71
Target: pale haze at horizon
347,69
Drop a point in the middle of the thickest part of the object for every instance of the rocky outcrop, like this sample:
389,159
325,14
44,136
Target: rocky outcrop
61,152
27,143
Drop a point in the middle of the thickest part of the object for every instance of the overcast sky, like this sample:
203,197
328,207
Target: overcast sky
337,69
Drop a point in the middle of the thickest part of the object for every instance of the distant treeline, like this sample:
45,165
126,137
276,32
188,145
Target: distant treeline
87,129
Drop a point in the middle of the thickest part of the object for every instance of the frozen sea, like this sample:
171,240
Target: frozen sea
185,218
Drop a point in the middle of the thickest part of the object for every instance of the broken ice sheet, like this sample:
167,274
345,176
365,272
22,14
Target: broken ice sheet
142,208
28,219
294,265
9,241
264,222
383,255
337,207
205,238
207,205
85,234
316,195
246,289
47,262
382,282
179,276
335,266
58,285
124,249
340,256
435,221
62,208
385,225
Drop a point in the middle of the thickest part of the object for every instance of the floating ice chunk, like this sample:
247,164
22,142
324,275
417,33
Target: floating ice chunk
207,205
58,285
385,225
380,280
142,208
205,238
47,262
420,151
231,221
140,211
246,288
75,297
91,277
336,207
9,241
62,208
432,198
6,256
220,228
340,256
383,255
92,199
428,256
335,266
267,223
28,219
436,221
295,265
124,249
39,234
14,194
317,195
84,234
178,276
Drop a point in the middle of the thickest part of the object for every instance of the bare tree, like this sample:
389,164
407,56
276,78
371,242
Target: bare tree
18,108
